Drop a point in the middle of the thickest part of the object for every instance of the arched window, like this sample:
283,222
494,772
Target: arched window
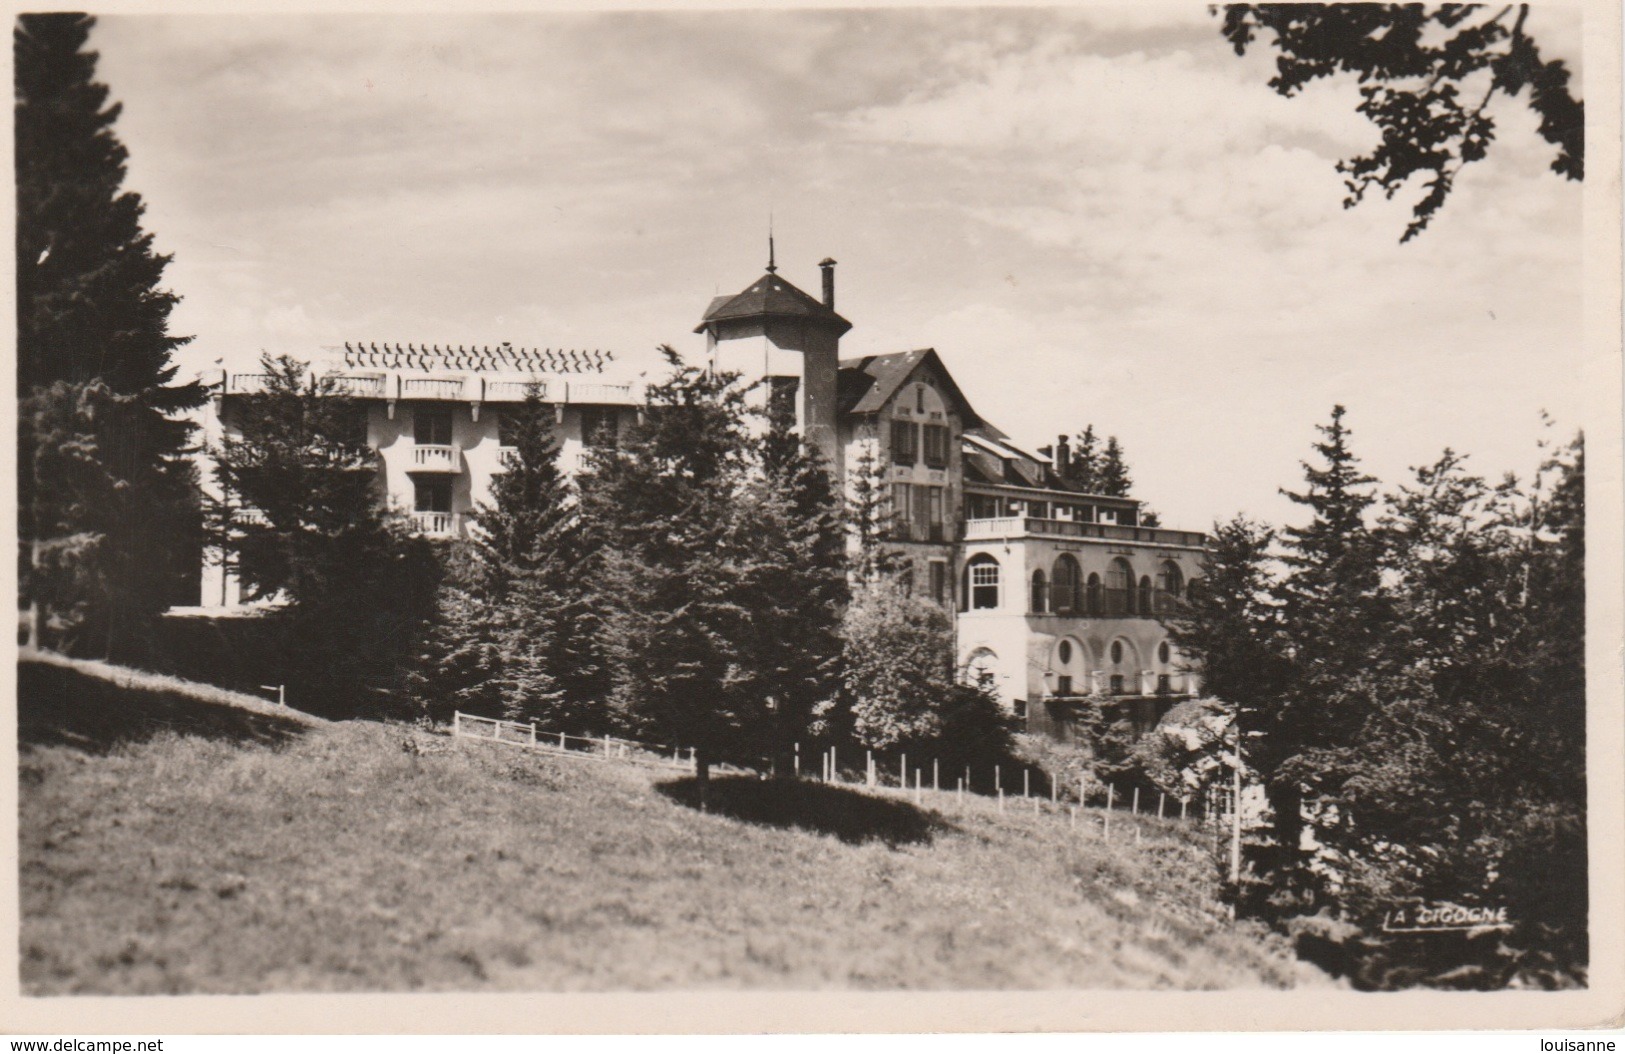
1066,591
1120,588
1144,606
1068,668
982,582
981,668
1170,584
1040,598
1092,601
1123,675
1165,653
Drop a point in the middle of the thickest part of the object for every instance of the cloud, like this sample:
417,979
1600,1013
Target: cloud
1094,214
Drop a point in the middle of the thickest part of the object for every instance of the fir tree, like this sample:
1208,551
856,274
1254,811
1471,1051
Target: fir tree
672,568
796,587
1112,476
515,634
870,519
301,521
1331,589
109,542
1083,469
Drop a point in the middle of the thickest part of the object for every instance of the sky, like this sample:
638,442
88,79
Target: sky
1095,215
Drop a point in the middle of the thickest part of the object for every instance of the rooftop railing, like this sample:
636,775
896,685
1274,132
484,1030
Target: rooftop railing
1015,526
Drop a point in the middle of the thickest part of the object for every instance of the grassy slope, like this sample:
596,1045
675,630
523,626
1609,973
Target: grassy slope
197,856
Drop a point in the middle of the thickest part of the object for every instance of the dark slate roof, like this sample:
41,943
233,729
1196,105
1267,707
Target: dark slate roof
864,385
982,468
501,358
771,295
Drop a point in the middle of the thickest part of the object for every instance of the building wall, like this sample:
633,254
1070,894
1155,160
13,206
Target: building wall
923,399
778,347
1021,647
476,437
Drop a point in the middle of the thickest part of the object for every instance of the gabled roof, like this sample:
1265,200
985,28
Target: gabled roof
864,385
772,296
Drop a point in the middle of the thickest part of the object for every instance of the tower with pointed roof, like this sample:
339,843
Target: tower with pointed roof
789,341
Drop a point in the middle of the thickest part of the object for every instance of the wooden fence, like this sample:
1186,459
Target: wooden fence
601,748
923,784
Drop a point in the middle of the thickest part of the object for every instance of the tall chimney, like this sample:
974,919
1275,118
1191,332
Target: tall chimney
828,267
1063,458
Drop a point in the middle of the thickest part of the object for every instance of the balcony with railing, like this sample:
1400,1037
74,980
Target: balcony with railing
1145,683
438,524
1019,526
595,392
516,391
361,386
355,385
431,387
436,457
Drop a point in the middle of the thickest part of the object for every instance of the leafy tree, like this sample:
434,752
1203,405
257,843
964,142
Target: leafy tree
300,520
898,665
1424,681
1427,76
107,509
1465,776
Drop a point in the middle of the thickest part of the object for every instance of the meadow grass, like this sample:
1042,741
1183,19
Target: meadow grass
171,858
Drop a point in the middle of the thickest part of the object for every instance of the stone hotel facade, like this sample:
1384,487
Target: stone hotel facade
1057,594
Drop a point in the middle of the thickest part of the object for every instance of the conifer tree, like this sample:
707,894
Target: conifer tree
108,512
1332,613
870,519
1112,476
1331,590
673,561
515,634
301,520
1084,466
796,587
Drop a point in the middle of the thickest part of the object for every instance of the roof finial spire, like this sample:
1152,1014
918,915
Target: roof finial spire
771,266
